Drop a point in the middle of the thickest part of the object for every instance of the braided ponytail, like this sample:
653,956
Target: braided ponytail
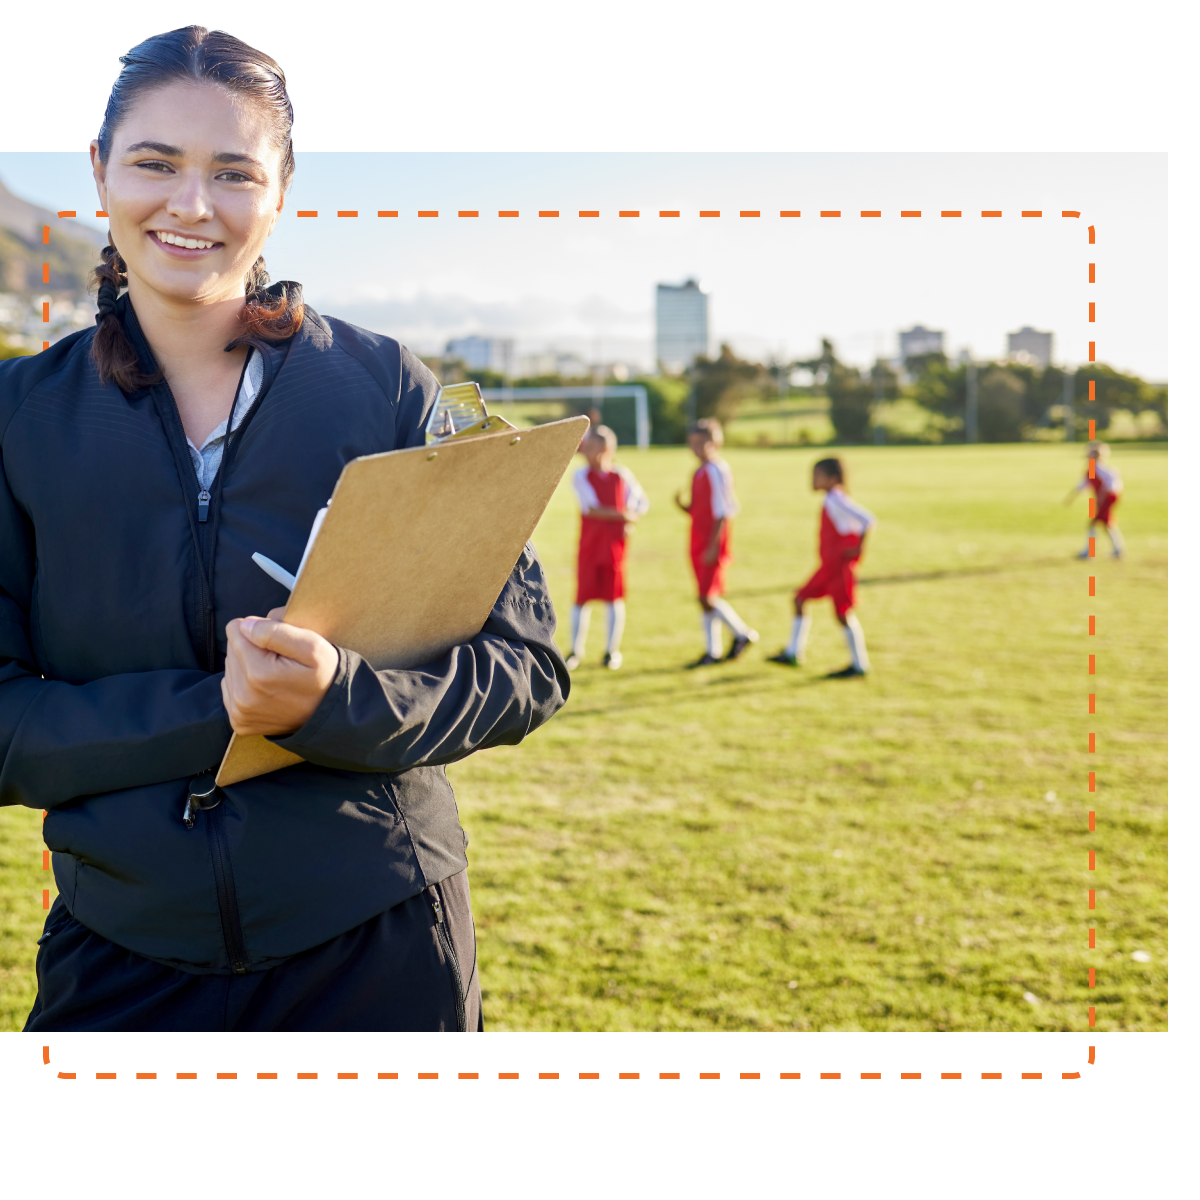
266,317
116,360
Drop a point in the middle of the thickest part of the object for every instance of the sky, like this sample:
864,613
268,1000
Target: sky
777,285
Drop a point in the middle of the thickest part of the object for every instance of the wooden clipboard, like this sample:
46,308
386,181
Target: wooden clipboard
415,548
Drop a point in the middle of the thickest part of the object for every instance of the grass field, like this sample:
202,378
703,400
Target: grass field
750,847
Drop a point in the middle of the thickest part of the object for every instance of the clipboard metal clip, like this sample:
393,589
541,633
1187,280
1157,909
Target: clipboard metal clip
459,411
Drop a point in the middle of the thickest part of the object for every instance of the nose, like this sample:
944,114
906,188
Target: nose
190,201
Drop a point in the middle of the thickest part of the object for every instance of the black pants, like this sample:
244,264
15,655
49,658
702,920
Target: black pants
392,973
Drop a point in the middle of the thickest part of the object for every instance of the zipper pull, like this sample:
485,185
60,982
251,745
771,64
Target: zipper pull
202,502
203,794
437,908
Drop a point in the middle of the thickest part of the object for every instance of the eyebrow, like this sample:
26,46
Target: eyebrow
229,157
175,152
157,148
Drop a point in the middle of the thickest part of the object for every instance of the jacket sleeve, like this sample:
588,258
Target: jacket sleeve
60,741
493,690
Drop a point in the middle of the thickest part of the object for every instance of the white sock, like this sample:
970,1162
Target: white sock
724,611
581,618
616,625
800,628
712,634
857,643
1114,536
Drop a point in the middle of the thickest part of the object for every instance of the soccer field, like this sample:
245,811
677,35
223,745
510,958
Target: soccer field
753,847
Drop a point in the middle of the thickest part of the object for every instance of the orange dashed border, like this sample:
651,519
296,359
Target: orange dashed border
708,213
662,212
422,1076
1091,633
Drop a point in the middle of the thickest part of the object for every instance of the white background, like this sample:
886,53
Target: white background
1024,77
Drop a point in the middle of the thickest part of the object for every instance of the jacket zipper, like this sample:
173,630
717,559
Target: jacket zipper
227,905
443,933
207,798
204,796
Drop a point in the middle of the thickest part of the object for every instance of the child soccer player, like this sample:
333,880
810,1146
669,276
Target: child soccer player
1105,481
844,526
610,500
713,506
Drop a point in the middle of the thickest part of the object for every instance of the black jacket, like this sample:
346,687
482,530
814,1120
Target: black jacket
113,603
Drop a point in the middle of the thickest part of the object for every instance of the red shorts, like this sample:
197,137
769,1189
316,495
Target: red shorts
595,581
835,580
710,577
1104,509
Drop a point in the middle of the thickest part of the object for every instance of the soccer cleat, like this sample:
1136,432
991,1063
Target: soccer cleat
613,661
572,661
740,643
705,660
850,672
785,658
1084,554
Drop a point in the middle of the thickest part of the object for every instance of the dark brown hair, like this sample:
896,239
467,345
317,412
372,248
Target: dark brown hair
831,468
195,55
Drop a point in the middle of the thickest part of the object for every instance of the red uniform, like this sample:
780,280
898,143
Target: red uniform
1108,487
600,573
844,523
712,501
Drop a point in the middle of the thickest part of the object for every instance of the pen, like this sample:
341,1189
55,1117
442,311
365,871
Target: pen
275,571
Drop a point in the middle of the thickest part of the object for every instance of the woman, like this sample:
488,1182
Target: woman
208,416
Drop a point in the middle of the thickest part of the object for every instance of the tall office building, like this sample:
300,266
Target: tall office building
483,354
1037,345
680,325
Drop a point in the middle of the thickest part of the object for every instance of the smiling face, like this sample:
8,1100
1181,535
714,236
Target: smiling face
192,190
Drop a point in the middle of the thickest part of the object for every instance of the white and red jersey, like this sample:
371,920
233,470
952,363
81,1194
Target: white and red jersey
1106,484
713,500
602,541
844,522
587,485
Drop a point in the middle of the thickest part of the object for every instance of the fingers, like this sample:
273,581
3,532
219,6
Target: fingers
288,641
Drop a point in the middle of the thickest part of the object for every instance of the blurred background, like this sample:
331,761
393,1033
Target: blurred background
888,329
748,847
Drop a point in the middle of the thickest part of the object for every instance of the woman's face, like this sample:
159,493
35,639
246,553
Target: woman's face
192,190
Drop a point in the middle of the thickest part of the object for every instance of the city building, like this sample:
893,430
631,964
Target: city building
919,341
680,325
1031,345
552,362
483,354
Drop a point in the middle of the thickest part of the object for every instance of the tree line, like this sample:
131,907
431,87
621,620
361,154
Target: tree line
1013,399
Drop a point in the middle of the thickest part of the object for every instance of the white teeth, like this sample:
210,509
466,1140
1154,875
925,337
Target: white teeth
173,239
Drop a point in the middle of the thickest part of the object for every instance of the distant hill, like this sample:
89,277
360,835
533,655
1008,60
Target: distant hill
73,251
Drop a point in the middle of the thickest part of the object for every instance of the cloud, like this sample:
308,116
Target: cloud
428,319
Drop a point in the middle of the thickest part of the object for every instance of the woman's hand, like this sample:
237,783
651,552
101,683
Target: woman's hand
275,674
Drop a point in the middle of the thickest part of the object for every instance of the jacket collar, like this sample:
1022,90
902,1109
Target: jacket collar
273,352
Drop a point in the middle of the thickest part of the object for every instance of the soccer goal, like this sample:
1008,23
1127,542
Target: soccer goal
623,407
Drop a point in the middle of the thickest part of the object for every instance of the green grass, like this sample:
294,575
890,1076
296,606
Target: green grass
675,849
